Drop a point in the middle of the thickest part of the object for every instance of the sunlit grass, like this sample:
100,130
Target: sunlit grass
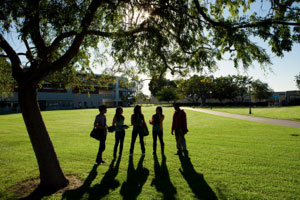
229,159
288,113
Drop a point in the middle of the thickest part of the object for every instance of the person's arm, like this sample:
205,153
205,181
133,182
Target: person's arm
132,121
143,122
161,122
173,124
184,122
114,121
151,121
162,118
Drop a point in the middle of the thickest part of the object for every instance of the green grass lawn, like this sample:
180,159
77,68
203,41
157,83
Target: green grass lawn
289,113
229,159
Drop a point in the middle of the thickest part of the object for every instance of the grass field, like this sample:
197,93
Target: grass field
289,113
229,159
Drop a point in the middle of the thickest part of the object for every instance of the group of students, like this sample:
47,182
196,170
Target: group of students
179,126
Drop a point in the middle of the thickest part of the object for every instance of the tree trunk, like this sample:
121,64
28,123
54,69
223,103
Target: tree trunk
203,101
51,175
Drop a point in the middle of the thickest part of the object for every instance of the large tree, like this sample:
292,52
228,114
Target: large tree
159,36
260,90
242,83
225,88
198,87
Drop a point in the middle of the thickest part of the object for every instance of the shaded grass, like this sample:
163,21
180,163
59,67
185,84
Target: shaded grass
288,113
229,159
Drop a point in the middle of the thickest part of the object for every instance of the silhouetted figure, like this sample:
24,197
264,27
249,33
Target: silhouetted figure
195,180
77,194
138,122
157,129
100,124
132,187
179,125
118,122
108,182
162,180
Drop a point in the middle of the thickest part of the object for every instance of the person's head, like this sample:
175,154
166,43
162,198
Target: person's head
137,110
102,109
119,111
159,110
118,114
176,106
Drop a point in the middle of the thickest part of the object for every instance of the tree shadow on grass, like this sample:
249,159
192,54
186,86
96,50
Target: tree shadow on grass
195,180
78,193
162,180
136,178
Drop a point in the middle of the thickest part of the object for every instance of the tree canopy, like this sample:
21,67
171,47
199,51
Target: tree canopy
260,90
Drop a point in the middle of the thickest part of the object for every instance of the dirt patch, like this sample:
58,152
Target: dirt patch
26,187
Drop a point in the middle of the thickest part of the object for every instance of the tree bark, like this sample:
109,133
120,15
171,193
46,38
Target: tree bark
51,174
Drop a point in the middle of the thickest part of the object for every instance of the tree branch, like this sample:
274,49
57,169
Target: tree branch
243,24
17,70
63,36
74,48
34,27
207,18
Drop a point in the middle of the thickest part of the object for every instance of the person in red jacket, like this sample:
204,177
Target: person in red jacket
179,126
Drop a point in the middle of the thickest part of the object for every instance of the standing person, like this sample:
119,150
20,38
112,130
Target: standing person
179,125
138,121
118,122
157,129
100,125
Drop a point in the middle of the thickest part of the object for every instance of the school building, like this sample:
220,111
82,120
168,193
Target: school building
51,97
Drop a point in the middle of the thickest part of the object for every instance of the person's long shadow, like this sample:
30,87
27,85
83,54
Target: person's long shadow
79,192
195,180
136,178
162,180
107,183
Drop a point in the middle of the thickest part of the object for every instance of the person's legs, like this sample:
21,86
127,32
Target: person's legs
133,138
154,135
122,136
142,142
101,149
182,142
117,139
162,145
178,145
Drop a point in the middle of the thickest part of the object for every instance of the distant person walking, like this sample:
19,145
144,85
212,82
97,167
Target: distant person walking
118,122
101,126
138,122
157,129
179,125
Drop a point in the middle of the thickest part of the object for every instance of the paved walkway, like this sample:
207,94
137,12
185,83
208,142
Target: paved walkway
279,122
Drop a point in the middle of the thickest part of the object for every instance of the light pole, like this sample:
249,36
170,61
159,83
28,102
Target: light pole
249,88
210,95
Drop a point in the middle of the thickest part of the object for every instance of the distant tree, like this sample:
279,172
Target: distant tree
157,83
298,81
242,83
225,88
7,82
142,97
198,87
168,93
260,90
